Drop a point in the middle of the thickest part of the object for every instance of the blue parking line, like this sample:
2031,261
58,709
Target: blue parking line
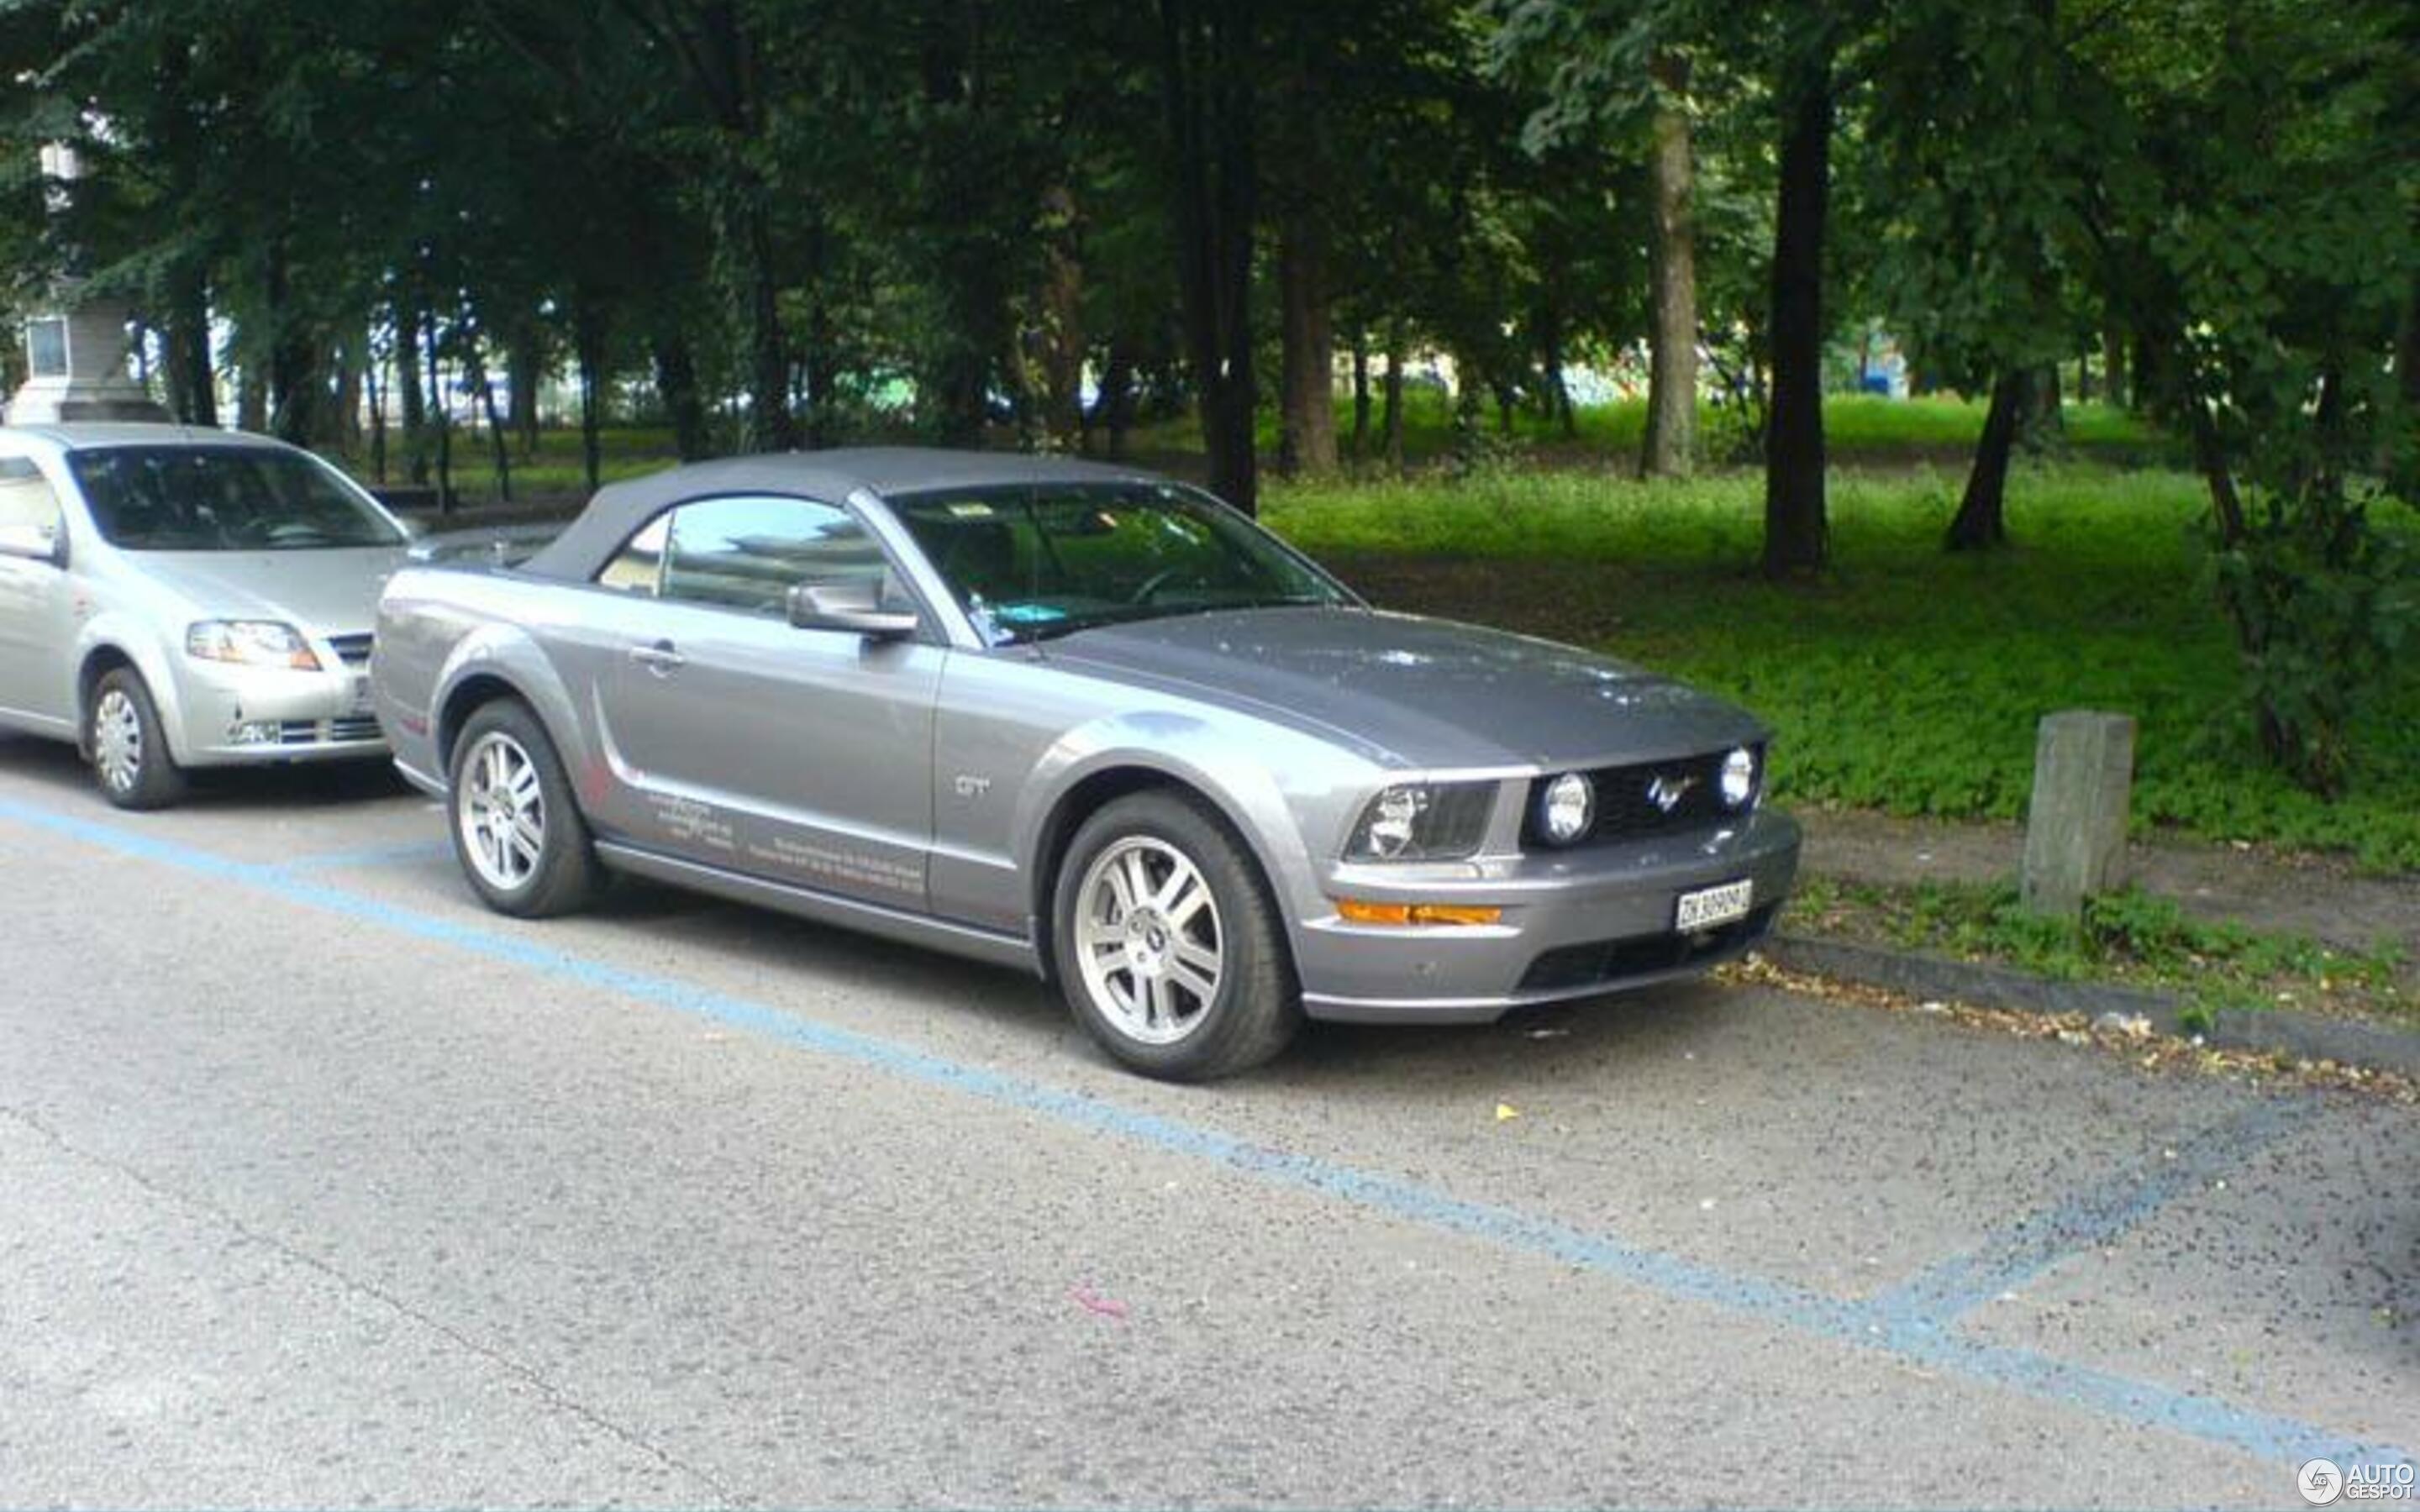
2091,1219
1896,1330
426,850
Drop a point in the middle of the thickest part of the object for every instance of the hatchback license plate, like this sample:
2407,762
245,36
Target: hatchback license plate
1710,907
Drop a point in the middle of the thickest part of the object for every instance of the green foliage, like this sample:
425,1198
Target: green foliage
2326,603
1911,681
2129,936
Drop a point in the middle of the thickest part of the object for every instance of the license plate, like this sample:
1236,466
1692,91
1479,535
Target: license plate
361,694
1710,907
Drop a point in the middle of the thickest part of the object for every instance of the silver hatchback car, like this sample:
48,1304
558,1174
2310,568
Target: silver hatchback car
1083,721
173,598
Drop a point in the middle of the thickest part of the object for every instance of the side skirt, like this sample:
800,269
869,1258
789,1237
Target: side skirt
998,950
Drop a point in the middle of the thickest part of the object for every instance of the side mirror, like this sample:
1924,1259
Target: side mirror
852,606
34,543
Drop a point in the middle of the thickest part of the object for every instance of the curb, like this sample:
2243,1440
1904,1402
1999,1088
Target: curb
2286,1031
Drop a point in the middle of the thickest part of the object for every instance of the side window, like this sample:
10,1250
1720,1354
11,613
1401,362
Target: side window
25,495
749,553
637,567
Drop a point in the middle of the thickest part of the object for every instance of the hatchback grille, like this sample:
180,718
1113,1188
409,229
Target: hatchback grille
314,733
352,649
1627,804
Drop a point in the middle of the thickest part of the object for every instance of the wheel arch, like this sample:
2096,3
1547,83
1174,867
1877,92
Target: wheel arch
1105,783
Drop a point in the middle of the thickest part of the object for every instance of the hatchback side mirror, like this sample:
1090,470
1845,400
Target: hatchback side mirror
852,606
34,543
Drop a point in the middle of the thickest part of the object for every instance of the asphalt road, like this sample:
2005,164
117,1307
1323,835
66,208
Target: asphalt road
320,1185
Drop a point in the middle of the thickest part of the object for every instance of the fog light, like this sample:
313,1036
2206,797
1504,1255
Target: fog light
1567,807
1354,911
1739,776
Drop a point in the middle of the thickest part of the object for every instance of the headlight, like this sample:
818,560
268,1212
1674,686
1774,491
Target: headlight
1423,821
1566,808
251,643
1739,776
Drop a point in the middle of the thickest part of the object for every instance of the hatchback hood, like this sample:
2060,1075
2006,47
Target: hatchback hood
1425,693
329,593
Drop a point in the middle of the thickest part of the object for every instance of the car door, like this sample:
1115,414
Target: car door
37,605
741,741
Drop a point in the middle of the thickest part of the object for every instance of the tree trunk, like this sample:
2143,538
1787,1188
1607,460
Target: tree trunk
524,368
2113,368
2044,420
251,396
676,386
770,426
343,424
1360,393
1307,441
1063,322
588,352
1550,356
443,416
1390,417
1671,445
1796,533
192,396
409,393
1982,521
1206,81
377,392
485,389
1116,408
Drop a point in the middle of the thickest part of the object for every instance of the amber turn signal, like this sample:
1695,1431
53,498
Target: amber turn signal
1356,911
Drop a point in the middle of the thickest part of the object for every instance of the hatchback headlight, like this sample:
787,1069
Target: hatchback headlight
251,643
1423,821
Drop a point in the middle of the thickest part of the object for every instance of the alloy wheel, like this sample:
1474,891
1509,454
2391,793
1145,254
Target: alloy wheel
1148,941
500,810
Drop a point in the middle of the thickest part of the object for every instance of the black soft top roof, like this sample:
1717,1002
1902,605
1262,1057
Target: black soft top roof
620,508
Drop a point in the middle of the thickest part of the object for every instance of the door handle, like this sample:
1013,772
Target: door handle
658,656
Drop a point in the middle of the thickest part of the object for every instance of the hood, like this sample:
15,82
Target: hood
328,593
1428,693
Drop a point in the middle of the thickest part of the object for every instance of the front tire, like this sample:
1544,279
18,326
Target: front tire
517,832
1168,948
130,760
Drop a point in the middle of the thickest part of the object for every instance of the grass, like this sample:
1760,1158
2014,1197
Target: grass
2129,936
1910,680
1859,428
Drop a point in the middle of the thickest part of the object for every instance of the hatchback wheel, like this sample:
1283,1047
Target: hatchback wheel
130,751
517,833
1167,947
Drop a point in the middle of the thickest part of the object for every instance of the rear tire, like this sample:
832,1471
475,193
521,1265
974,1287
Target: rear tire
1169,951
516,829
130,760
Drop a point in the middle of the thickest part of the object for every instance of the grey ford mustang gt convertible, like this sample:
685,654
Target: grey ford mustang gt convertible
1083,721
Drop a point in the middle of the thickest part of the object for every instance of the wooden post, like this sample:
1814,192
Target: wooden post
2075,830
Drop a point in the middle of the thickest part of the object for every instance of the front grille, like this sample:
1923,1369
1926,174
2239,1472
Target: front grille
352,649
1605,963
1626,806
315,732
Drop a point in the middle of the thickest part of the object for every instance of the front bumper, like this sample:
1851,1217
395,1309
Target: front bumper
1576,924
229,715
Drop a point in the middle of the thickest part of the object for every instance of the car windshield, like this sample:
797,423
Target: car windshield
223,499
1028,563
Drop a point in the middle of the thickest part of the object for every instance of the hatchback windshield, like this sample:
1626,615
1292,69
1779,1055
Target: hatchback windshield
1029,562
222,499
